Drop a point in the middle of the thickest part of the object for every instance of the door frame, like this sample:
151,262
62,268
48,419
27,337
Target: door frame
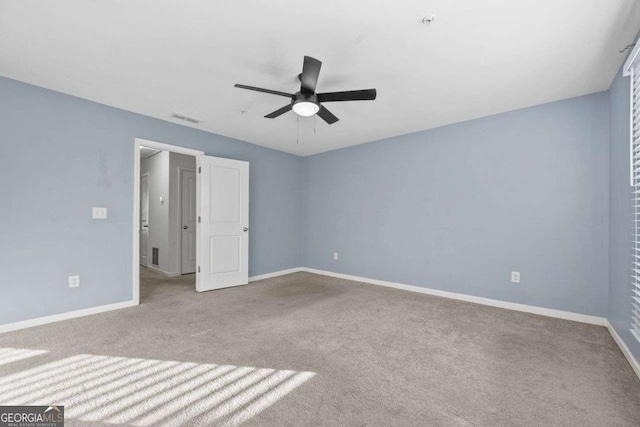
195,171
139,142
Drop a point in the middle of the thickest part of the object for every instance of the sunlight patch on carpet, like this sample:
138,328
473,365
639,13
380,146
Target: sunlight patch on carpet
145,392
10,355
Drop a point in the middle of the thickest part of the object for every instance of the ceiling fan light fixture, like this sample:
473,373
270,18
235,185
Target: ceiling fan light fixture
306,108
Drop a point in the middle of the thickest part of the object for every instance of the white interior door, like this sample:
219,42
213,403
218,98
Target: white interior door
223,228
144,220
188,216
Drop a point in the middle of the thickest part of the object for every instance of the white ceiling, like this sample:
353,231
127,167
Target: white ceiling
479,57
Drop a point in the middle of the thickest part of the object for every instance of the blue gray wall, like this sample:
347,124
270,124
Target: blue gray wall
459,207
62,155
620,226
455,208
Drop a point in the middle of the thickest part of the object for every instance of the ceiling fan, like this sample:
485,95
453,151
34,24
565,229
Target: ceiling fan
307,102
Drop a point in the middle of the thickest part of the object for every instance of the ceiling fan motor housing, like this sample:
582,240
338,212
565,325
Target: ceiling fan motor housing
305,104
304,97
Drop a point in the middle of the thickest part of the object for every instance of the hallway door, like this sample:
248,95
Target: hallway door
188,216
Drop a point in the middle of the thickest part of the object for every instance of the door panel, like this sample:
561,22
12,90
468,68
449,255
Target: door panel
188,217
223,232
225,254
225,190
144,220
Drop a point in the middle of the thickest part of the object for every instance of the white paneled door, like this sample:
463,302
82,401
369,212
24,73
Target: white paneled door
188,217
223,229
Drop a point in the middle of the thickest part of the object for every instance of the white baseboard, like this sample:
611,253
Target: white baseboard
275,274
101,309
64,316
566,315
623,348
549,312
157,270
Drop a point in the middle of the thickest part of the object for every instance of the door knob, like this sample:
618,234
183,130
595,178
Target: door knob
245,229
185,226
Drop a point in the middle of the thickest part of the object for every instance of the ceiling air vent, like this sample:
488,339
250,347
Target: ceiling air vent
185,118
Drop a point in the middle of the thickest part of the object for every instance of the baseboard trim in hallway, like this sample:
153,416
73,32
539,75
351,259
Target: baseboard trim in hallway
165,273
64,316
549,312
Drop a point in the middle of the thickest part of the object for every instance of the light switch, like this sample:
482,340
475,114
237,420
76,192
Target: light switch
74,281
99,213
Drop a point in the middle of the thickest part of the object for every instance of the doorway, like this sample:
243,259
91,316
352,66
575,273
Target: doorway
199,206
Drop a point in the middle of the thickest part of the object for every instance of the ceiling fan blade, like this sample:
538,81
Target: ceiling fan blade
259,89
310,73
279,112
350,95
327,115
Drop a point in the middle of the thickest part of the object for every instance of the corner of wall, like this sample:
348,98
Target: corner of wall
620,215
305,210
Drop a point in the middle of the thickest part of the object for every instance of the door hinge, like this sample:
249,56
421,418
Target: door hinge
199,169
199,219
198,269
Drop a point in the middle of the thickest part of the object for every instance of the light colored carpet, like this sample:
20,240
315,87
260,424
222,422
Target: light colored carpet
310,350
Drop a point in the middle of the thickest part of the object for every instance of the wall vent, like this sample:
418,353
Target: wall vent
154,257
180,116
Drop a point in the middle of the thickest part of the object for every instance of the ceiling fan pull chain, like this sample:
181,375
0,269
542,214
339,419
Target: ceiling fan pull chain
314,124
297,129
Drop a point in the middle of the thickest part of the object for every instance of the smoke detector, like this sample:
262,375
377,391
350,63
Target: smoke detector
185,118
428,19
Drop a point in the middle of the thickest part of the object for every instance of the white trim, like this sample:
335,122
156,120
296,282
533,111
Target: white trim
116,306
168,147
198,231
623,348
626,70
549,312
462,297
65,316
138,142
164,273
275,274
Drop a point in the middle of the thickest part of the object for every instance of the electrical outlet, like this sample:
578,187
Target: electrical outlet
335,256
99,213
515,277
74,281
